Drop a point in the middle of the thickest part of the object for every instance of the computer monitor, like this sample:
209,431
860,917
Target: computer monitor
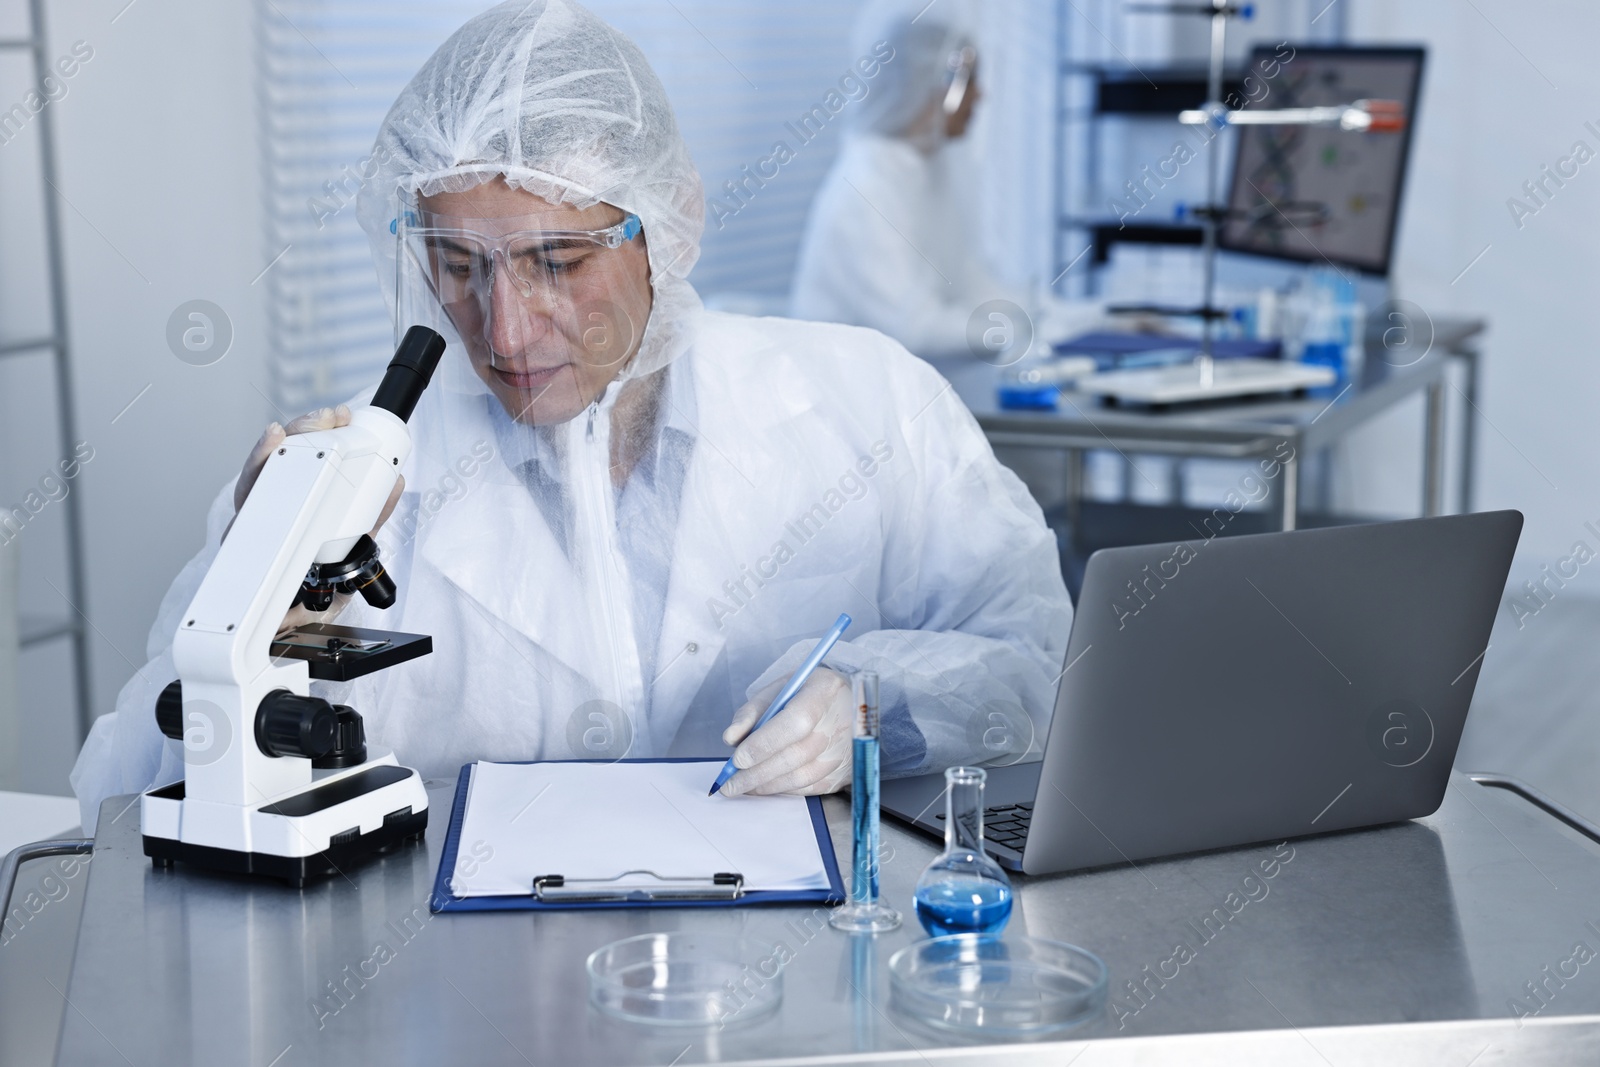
1322,194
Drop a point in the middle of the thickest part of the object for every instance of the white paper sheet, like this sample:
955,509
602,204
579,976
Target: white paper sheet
600,820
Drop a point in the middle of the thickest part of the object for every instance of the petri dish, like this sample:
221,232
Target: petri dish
685,979
983,984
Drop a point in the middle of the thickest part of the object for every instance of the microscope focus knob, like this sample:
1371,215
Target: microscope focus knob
291,725
169,711
349,743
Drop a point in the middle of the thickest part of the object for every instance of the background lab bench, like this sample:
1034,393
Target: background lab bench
1253,429
1408,943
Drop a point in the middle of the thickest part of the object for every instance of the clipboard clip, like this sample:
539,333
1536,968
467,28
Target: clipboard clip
554,888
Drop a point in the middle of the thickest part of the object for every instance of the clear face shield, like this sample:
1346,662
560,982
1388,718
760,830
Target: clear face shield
543,306
547,314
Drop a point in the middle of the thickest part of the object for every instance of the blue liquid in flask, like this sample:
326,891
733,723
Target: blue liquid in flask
963,906
963,891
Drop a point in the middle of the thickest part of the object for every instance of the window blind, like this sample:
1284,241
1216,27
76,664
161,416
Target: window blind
739,74
328,72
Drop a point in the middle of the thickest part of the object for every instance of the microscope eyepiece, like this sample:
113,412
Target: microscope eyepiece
409,372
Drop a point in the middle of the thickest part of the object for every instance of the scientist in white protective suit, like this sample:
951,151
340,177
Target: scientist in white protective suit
625,519
892,239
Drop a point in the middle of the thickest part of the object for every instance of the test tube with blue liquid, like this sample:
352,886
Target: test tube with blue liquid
963,891
864,913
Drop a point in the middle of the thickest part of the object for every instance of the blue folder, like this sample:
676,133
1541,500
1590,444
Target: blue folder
445,900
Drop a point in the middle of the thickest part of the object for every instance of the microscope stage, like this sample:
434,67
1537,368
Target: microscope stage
340,653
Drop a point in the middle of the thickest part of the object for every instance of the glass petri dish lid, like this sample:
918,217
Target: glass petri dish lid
686,979
983,984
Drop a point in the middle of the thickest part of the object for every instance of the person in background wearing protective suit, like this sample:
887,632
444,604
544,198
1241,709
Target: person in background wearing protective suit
625,519
891,242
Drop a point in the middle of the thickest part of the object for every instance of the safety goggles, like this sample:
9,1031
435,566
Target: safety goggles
459,257
962,62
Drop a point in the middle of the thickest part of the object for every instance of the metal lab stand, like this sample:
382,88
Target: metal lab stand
1409,943
1251,430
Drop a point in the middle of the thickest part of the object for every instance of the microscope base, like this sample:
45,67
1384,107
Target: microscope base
314,815
295,870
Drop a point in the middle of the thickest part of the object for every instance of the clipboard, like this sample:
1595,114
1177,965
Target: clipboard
669,889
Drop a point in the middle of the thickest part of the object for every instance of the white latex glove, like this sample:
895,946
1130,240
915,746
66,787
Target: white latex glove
804,749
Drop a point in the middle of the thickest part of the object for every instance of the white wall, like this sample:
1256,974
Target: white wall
160,205
1509,86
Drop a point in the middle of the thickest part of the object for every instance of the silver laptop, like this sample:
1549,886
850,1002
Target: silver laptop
1249,689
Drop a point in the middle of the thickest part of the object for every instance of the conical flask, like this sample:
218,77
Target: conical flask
963,891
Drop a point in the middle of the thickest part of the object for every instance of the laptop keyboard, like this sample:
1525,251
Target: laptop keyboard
1005,824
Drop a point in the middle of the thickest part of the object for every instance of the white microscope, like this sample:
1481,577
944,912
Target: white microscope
282,783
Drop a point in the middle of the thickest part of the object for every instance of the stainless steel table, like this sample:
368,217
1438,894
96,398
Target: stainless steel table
1410,943
1252,430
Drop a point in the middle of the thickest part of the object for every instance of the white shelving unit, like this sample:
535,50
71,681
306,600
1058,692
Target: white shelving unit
1094,93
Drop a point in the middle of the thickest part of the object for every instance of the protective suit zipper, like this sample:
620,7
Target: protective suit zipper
596,477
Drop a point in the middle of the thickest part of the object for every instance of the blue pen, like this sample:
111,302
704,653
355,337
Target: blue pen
787,694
